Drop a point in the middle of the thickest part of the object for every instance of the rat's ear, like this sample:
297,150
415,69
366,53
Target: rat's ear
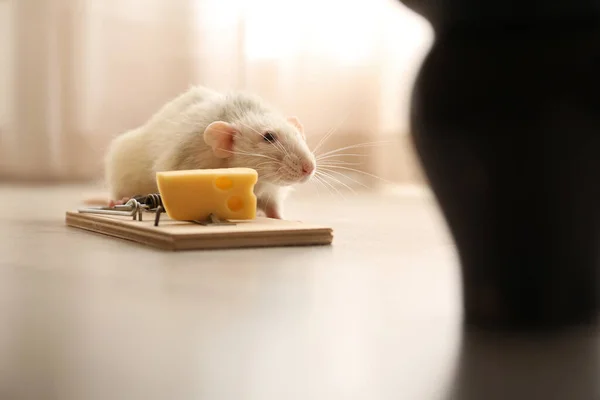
219,136
296,122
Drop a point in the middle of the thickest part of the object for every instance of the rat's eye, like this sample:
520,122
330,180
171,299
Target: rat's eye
269,137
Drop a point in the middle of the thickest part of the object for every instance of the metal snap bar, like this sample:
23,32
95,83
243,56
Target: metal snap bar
132,208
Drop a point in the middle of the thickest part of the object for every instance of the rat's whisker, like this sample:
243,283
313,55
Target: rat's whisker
253,130
316,186
272,172
275,144
249,154
318,183
331,132
330,176
335,190
246,153
272,162
355,146
342,155
249,127
268,175
330,167
320,174
246,139
243,153
280,146
323,139
340,162
268,163
349,177
325,184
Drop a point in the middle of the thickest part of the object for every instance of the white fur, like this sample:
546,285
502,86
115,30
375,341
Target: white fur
173,139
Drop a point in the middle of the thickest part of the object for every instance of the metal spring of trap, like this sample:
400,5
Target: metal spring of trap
136,205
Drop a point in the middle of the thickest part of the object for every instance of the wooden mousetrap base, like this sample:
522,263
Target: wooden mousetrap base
180,235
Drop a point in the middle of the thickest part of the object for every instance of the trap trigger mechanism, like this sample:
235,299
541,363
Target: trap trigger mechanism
132,208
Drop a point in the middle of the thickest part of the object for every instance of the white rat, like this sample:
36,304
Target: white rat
203,129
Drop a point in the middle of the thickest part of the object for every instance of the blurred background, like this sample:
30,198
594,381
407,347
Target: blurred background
75,73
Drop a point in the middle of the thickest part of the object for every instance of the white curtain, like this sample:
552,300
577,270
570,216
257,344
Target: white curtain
74,73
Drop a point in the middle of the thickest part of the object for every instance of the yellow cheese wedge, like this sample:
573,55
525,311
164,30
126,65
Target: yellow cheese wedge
190,195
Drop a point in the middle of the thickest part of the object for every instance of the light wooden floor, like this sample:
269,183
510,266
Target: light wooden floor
375,316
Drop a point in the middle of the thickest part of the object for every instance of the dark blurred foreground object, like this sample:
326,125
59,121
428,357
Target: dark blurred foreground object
506,122
562,366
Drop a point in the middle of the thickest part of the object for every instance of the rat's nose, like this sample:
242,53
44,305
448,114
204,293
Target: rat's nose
307,168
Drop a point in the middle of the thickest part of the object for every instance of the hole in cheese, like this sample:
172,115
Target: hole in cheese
235,203
223,183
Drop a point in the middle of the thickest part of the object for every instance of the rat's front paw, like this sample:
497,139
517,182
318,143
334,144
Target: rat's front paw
273,212
274,215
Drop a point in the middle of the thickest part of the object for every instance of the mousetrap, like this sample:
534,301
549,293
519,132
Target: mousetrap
146,220
202,235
